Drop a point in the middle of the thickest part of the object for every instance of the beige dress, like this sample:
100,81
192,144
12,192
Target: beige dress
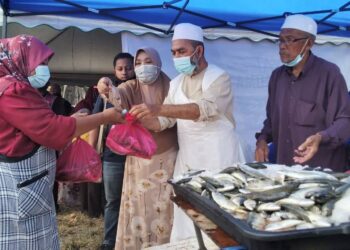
146,211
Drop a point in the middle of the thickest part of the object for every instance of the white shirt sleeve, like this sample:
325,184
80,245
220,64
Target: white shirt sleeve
166,122
216,99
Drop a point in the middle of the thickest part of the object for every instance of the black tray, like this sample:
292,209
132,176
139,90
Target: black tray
327,238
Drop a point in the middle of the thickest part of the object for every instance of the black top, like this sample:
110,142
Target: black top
108,155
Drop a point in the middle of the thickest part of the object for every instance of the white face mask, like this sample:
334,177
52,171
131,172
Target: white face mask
41,76
147,73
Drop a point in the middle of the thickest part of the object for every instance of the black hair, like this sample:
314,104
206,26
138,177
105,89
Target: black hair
122,55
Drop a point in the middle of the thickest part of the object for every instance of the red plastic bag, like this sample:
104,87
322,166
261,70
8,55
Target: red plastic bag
79,162
131,138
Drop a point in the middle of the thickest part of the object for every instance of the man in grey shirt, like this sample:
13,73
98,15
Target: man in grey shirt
308,108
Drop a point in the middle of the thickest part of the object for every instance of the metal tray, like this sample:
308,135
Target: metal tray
330,238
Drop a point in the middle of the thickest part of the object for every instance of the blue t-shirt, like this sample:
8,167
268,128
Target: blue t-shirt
108,155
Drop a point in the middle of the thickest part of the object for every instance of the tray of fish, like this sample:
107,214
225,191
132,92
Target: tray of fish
271,206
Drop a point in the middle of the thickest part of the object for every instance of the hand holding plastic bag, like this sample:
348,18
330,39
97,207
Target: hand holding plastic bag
79,162
131,138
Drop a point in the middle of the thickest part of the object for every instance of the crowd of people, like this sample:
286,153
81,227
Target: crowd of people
190,118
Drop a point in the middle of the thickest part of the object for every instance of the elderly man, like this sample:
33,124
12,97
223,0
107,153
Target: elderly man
200,101
308,109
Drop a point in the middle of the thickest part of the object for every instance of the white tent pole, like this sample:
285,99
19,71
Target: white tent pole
4,6
4,25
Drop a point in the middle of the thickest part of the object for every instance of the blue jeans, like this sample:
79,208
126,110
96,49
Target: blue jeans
113,174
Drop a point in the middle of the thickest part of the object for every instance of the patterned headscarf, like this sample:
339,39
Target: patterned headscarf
19,56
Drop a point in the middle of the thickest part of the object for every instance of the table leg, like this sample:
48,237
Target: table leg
199,237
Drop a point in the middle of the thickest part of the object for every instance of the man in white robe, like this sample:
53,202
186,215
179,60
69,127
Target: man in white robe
200,102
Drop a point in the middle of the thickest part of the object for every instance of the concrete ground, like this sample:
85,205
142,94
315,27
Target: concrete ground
188,244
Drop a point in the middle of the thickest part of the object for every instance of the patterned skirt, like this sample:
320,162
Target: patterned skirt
27,210
146,211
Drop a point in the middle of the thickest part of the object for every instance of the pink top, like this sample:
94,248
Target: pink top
26,119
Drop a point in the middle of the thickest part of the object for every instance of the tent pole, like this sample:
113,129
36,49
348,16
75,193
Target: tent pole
4,26
4,6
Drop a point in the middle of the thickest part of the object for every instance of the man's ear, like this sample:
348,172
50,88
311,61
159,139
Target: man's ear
200,51
311,42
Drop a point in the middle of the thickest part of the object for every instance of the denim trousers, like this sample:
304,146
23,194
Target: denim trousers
113,173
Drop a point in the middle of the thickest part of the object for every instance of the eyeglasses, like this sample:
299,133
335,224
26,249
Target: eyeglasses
290,41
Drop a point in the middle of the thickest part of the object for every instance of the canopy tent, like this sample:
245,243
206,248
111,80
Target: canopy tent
79,58
239,35
217,17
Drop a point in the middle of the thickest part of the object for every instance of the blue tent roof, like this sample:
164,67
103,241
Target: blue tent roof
261,16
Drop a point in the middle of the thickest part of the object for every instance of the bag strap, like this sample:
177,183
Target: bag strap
101,139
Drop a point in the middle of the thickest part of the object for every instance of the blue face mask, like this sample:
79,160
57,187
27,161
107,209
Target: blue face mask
41,76
297,59
184,65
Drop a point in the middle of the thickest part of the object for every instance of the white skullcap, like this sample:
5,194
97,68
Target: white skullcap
188,31
300,22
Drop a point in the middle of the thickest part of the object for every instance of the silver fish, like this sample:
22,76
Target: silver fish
298,211
249,204
296,202
273,194
284,215
301,192
282,225
318,220
215,182
256,220
328,207
304,175
269,207
252,171
305,225
238,200
225,178
315,209
261,186
195,186
240,177
321,195
223,202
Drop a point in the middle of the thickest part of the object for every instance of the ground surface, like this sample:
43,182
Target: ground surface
77,231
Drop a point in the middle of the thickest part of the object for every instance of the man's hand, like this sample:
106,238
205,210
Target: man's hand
308,149
145,111
261,151
103,87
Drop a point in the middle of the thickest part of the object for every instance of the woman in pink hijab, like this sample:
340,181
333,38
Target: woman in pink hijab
30,132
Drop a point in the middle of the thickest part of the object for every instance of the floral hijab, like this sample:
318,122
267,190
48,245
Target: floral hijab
19,56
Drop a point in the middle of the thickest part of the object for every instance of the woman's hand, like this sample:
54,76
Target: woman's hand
104,86
113,115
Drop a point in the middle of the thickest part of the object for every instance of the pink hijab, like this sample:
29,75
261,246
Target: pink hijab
19,56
